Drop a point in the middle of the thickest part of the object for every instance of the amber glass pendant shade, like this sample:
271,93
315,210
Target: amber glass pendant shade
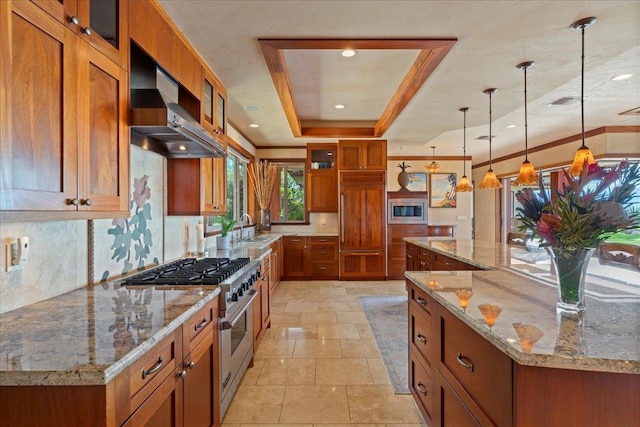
490,181
433,166
527,174
582,155
464,186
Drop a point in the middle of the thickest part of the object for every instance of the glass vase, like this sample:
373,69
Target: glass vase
570,268
264,222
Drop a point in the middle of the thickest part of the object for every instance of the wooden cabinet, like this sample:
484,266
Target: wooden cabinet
362,154
310,257
262,304
196,186
428,260
64,139
101,23
362,225
322,178
396,247
213,114
276,263
165,44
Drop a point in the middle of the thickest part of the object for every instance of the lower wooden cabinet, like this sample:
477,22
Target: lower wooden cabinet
365,265
423,259
310,257
262,304
399,259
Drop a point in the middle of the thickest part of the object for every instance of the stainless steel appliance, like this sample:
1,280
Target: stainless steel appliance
407,211
236,277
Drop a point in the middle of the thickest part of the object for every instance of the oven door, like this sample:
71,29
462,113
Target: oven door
236,349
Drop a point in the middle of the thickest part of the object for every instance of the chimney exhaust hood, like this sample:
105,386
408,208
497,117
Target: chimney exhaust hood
166,128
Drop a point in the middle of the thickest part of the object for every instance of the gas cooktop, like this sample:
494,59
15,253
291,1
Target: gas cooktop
189,271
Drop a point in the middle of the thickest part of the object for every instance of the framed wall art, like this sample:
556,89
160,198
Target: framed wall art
442,190
417,181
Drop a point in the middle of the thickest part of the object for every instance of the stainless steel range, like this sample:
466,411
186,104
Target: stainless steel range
236,277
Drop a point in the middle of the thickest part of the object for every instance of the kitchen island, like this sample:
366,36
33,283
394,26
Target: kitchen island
487,347
77,357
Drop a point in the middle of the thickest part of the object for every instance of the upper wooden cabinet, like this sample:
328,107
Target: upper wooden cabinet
213,114
322,178
362,154
157,35
102,23
64,138
196,186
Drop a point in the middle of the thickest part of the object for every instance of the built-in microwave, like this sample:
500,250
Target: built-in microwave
407,211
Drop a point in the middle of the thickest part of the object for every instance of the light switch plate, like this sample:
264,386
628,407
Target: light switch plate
11,254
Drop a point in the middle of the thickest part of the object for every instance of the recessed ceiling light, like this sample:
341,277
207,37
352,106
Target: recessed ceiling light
511,126
348,53
181,147
251,108
338,106
254,125
622,77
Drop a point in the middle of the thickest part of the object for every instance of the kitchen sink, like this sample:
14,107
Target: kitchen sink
259,239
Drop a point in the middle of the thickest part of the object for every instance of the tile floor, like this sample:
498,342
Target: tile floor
319,364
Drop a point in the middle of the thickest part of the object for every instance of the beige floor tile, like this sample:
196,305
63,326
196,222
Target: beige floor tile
284,319
288,372
334,306
351,317
362,348
342,372
338,331
379,404
348,425
307,349
309,331
378,371
251,376
316,318
301,307
364,330
275,348
256,404
355,306
315,404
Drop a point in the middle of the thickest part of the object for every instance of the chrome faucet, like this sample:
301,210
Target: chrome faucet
242,224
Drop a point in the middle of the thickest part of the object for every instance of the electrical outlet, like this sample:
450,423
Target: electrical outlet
12,257
462,217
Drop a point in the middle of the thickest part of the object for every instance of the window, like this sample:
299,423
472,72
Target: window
236,192
290,203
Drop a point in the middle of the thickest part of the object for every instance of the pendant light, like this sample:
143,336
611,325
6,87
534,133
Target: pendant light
433,166
583,154
527,174
464,186
490,181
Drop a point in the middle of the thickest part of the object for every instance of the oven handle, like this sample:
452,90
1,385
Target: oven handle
229,324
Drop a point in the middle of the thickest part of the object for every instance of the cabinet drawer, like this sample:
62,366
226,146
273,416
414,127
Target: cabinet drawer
443,262
441,230
452,411
323,253
323,240
407,230
323,269
422,388
421,336
295,242
148,372
419,299
480,369
194,329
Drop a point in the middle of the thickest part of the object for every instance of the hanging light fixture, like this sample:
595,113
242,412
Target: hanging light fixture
527,174
490,181
464,185
583,154
433,166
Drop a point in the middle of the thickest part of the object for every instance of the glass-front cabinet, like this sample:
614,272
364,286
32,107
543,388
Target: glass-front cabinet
214,104
322,178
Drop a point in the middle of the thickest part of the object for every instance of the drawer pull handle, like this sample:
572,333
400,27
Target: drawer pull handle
447,263
421,338
322,268
464,362
154,369
201,324
421,388
421,301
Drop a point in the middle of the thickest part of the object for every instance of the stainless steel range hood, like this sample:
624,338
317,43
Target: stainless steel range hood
166,128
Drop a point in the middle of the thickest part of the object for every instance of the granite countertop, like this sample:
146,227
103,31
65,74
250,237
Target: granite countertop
527,328
89,335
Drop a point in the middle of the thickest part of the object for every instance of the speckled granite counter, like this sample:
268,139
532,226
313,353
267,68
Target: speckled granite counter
88,336
606,339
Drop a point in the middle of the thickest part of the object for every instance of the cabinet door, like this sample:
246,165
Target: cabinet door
257,314
163,408
362,265
103,134
375,154
104,24
38,140
295,250
265,302
219,185
363,219
322,191
198,385
350,156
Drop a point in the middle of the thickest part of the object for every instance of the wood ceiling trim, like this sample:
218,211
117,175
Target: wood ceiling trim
278,70
432,52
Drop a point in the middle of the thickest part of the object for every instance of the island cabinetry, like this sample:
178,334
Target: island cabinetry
322,178
362,154
262,304
311,257
396,245
412,257
74,158
428,260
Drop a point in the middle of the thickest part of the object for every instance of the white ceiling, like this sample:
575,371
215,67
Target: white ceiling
493,36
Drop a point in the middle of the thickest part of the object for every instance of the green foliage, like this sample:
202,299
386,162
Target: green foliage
226,226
